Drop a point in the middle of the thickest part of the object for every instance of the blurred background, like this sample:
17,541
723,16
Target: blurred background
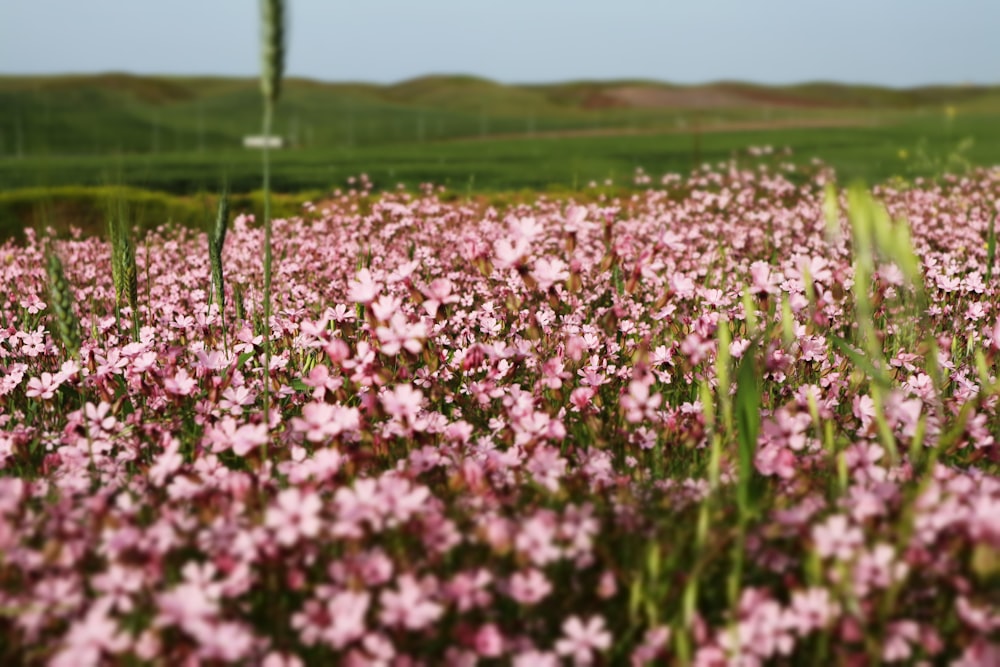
479,97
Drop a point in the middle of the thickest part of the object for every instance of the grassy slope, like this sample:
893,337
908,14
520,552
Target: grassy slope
182,135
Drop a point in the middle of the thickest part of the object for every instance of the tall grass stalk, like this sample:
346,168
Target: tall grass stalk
124,271
61,298
272,68
216,241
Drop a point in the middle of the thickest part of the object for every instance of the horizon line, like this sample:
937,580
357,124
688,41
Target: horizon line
487,79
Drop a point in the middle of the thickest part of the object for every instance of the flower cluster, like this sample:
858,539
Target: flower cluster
493,431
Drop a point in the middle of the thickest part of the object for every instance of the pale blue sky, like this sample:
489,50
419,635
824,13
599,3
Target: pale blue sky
890,42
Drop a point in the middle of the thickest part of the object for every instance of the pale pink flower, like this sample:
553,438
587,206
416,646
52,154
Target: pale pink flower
837,538
763,281
536,658
94,636
811,609
347,611
294,515
408,606
403,402
528,228
468,590
180,384
774,459
529,587
321,421
401,333
583,639
276,659
437,294
639,404
43,387
488,641
385,306
247,438
548,271
536,538
363,289
509,253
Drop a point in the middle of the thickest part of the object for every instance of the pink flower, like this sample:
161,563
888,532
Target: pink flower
363,289
773,459
581,397
527,228
401,333
438,294
468,589
836,538
44,387
408,606
811,609
653,644
98,418
321,421
638,403
581,640
536,538
248,437
403,402
549,271
488,641
181,384
276,659
763,281
91,637
234,399
509,253
535,658
347,611
294,515
529,587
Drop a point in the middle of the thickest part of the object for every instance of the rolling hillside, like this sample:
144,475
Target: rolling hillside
119,113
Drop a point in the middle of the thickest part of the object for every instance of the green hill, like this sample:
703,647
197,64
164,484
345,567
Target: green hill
183,135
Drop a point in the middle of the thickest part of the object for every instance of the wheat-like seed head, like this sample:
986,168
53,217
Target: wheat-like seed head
272,48
61,298
114,235
130,278
221,221
215,244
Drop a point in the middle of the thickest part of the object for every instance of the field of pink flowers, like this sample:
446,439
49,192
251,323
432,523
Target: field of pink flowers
727,419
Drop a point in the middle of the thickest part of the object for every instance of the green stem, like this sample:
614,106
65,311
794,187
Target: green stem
268,113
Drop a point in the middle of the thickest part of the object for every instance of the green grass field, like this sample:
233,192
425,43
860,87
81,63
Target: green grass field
182,136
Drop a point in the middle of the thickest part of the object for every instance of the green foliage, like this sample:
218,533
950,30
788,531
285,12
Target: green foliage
85,208
178,134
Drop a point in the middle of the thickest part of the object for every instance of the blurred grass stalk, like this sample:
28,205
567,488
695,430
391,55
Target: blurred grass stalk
879,241
272,68
216,241
62,298
124,271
